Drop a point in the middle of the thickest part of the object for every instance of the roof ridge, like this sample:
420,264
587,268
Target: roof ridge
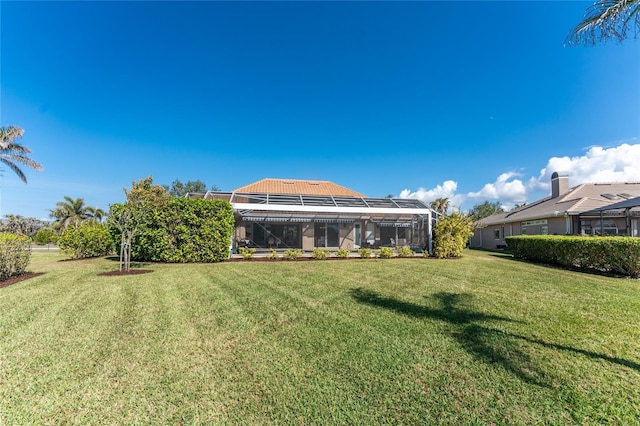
298,180
297,186
580,202
528,206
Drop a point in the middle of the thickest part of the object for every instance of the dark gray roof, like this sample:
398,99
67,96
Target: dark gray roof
578,200
626,204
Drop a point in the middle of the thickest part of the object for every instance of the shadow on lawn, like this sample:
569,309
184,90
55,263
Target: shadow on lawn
487,344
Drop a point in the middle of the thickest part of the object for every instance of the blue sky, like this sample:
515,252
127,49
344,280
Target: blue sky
469,100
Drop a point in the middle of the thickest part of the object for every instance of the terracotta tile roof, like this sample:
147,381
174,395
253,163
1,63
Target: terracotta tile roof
579,199
294,186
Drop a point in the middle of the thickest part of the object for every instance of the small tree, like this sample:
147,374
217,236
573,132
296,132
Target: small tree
129,218
145,192
486,209
452,234
126,218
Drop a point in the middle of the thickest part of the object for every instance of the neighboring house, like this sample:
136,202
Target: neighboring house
575,211
305,214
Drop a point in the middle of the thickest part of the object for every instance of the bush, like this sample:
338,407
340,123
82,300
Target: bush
15,253
182,230
343,253
405,252
364,252
291,254
619,255
246,252
385,253
320,253
45,236
87,240
274,254
452,234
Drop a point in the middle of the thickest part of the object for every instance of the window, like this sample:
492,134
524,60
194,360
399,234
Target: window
606,227
544,230
523,231
535,222
276,235
496,234
393,236
327,234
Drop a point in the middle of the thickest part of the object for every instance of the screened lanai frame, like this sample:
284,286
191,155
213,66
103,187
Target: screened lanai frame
373,216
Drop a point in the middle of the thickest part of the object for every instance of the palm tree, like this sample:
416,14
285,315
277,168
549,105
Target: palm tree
95,213
12,152
70,212
607,19
440,205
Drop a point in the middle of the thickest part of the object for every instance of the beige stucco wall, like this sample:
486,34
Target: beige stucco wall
346,236
485,238
307,236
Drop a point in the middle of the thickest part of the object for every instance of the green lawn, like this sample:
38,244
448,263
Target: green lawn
478,340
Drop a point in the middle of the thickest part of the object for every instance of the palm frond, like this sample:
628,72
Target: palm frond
12,152
15,168
15,147
32,164
607,19
9,134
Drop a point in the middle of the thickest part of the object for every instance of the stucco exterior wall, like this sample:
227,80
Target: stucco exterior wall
307,236
346,236
486,237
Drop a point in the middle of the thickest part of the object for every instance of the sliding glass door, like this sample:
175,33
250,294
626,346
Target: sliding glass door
327,234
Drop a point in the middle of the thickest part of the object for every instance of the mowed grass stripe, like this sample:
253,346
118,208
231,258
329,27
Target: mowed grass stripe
480,339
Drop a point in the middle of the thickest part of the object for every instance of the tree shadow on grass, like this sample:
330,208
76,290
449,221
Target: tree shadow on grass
486,344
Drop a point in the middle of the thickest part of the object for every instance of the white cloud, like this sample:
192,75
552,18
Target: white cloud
598,164
446,190
617,164
506,189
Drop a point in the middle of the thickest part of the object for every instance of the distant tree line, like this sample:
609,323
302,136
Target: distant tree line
179,189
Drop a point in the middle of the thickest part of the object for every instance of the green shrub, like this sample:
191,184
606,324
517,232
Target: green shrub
15,253
618,255
405,252
343,253
274,254
452,234
87,240
291,254
247,252
320,253
182,230
385,252
45,236
364,252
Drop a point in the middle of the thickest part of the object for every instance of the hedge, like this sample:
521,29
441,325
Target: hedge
183,230
617,255
15,253
87,240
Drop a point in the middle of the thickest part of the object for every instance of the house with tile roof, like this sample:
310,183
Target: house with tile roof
580,210
306,214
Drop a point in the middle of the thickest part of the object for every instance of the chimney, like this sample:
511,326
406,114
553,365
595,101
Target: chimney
559,183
